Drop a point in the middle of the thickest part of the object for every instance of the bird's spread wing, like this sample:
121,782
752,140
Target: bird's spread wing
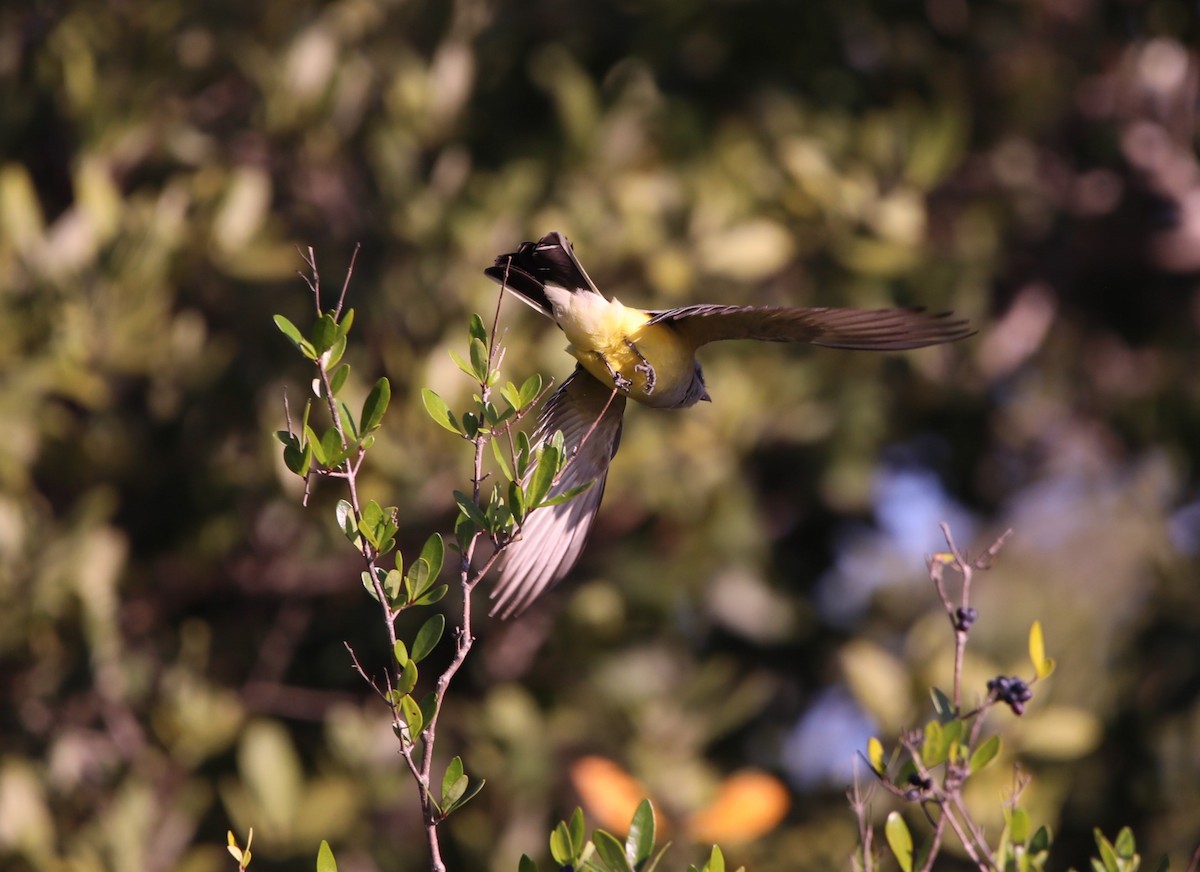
553,537
867,329
549,261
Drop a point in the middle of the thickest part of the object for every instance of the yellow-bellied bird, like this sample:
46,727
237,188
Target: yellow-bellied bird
648,356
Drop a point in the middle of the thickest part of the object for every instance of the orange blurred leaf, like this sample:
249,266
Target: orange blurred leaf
748,804
610,794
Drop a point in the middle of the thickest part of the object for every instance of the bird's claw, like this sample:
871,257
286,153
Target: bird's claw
651,377
644,367
621,383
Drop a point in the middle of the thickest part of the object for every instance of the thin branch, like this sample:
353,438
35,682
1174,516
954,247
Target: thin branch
337,312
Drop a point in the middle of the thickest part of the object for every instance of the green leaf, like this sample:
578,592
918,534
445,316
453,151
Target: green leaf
462,364
577,827
1125,845
434,595
530,389
325,859
408,677
985,754
542,478
639,844
392,584
298,462
611,852
464,531
476,328
331,447
526,864
501,460
335,351
479,360
1108,854
875,755
1040,841
565,496
454,782
1019,826
433,554
369,585
516,501
346,323
899,839
716,861
412,715
933,748
472,511
288,329
439,411
942,706
417,579
428,707
562,851
375,405
312,441
428,636
511,394
324,334
400,650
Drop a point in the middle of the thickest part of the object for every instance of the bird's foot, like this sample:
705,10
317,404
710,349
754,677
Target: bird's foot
644,367
620,382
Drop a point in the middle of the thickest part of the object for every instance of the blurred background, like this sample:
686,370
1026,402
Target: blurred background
172,620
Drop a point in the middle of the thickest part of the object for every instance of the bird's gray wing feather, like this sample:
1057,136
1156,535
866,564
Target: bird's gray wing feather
866,329
552,537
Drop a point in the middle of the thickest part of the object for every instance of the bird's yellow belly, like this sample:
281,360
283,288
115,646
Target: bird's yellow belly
659,366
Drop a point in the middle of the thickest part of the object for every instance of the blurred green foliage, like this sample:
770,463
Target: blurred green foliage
171,620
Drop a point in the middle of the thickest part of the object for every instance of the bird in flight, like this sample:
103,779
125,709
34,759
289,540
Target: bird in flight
650,357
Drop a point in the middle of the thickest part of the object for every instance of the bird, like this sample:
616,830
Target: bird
648,356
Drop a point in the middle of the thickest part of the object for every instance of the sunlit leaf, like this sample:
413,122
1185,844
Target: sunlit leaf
375,405
476,329
439,411
1037,646
408,678
985,754
899,839
288,329
611,852
479,359
875,754
639,844
324,334
325,859
454,782
410,712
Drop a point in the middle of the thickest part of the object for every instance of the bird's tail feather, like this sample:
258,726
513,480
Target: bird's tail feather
528,270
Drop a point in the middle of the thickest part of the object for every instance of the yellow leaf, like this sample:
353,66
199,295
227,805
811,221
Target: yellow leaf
1037,647
875,754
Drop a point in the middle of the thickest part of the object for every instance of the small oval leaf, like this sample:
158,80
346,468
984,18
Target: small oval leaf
899,839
